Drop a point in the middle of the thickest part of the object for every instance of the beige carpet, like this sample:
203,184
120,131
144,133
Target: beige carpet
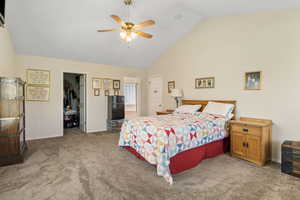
92,167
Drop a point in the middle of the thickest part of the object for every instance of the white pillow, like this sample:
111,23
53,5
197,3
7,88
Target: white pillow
188,108
219,109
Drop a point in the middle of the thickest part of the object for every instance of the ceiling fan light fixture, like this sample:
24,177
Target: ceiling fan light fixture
133,35
123,35
128,39
128,2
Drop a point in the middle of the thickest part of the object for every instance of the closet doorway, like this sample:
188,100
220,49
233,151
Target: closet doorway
74,102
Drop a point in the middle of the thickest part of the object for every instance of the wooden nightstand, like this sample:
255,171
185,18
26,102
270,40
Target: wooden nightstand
167,112
251,139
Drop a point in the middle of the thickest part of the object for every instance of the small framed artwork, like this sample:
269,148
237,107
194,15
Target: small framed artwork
106,93
253,80
117,92
171,86
107,84
96,92
116,84
201,83
97,83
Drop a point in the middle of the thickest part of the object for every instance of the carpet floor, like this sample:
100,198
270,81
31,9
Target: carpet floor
92,167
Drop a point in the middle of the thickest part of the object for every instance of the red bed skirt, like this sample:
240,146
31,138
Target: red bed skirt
191,158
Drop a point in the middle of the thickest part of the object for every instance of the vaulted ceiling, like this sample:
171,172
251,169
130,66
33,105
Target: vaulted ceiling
67,28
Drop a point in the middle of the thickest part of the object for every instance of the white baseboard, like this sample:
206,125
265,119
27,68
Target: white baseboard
46,137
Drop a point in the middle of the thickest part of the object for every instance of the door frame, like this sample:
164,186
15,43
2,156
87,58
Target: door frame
138,82
148,88
136,94
85,98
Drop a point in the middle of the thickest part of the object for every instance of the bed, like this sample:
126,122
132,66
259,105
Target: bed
176,142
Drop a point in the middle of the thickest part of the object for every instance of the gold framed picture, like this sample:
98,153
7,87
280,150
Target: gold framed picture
171,86
106,92
38,77
253,80
97,83
37,93
202,83
107,84
96,92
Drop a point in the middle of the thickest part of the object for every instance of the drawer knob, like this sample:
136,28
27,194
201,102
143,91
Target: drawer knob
245,130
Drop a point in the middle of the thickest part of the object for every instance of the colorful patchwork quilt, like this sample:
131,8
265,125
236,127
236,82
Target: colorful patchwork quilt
159,138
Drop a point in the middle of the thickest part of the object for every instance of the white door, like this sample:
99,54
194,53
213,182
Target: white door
82,102
155,95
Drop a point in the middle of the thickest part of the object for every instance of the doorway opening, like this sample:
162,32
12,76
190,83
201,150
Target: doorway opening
74,102
130,94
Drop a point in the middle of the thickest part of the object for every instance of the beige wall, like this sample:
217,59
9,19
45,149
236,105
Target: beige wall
45,119
7,55
227,47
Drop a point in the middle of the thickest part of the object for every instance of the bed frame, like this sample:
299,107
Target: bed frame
205,102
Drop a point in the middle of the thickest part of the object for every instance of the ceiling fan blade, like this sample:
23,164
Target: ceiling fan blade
109,30
143,34
144,24
117,19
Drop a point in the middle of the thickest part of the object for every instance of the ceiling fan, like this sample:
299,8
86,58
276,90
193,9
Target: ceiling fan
128,30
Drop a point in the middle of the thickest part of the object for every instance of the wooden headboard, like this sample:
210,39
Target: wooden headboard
205,102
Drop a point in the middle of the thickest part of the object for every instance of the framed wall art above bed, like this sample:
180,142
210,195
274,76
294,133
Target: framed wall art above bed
253,80
202,83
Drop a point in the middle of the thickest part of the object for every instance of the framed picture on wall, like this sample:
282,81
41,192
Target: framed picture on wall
96,92
171,86
106,92
116,84
97,83
201,83
253,80
37,93
107,84
38,77
117,92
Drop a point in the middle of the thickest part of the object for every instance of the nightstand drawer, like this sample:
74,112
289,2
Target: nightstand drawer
247,129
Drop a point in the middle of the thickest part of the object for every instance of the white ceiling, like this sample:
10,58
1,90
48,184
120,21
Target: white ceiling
67,28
